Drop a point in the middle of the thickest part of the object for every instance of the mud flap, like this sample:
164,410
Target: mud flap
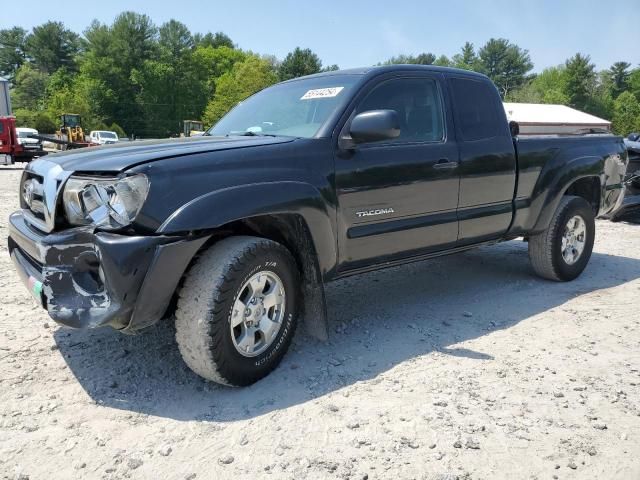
314,314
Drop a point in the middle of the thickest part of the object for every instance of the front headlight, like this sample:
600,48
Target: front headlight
107,203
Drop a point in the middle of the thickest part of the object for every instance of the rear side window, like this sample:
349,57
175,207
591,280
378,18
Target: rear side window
475,109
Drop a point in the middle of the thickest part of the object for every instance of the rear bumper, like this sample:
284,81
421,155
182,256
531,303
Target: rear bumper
86,279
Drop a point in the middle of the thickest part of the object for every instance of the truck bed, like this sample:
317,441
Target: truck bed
543,159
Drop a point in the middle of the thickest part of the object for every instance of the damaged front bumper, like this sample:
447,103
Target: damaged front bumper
87,279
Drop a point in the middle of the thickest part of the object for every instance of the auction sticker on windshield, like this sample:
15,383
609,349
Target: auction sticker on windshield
322,93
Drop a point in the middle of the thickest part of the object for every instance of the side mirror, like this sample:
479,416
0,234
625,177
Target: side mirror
375,125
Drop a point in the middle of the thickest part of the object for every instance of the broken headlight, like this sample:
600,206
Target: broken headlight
107,203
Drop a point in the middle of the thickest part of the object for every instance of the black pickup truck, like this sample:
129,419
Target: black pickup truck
236,233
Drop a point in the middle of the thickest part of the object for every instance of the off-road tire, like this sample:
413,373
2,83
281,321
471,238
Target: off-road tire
206,301
545,249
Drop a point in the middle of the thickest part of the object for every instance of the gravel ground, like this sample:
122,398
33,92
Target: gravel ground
460,367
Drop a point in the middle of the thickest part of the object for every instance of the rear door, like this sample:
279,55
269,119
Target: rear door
487,160
398,198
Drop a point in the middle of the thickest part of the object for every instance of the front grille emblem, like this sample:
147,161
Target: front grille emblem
40,192
27,192
32,195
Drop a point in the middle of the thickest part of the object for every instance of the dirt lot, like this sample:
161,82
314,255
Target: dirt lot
461,367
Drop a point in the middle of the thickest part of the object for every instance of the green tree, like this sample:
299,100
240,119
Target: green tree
73,96
29,89
170,88
214,62
618,76
331,68
12,51
195,83
44,123
175,40
626,114
421,59
244,79
634,82
52,46
41,121
504,63
299,63
24,117
600,99
113,57
580,80
118,129
213,40
442,61
550,86
171,91
466,59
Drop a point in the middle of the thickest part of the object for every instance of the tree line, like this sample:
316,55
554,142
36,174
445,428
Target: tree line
143,80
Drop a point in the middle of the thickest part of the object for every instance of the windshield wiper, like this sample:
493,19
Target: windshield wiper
250,134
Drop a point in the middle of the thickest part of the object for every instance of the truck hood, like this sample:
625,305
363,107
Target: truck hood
124,155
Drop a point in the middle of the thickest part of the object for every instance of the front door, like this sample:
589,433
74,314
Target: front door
397,198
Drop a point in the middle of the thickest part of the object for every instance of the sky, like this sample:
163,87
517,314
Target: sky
361,33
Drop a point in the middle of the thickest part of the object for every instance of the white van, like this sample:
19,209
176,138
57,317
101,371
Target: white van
26,141
103,137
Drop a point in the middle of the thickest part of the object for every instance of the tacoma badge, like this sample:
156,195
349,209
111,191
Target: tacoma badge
377,211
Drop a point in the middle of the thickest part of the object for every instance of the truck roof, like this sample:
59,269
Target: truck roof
377,70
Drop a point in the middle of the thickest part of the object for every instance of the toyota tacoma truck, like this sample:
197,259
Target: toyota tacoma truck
235,233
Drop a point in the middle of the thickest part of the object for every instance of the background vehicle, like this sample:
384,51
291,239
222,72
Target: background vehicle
632,142
5,98
630,208
192,128
70,135
308,181
16,144
103,137
26,140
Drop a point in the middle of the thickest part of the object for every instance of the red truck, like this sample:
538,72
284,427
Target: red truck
11,150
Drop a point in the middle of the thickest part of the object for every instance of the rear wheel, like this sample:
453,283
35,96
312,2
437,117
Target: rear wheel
562,251
237,310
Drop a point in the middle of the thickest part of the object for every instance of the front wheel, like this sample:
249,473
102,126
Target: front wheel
562,251
237,310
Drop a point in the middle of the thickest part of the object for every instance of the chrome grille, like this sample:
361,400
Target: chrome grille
32,194
41,184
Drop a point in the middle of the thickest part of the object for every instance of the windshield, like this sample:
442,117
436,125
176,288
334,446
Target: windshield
107,135
26,133
296,109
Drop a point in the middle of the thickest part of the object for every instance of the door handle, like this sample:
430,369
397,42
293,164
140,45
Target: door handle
444,163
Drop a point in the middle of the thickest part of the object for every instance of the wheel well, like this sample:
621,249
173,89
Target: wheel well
291,231
587,188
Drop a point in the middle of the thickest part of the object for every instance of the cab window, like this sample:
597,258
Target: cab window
475,109
418,104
